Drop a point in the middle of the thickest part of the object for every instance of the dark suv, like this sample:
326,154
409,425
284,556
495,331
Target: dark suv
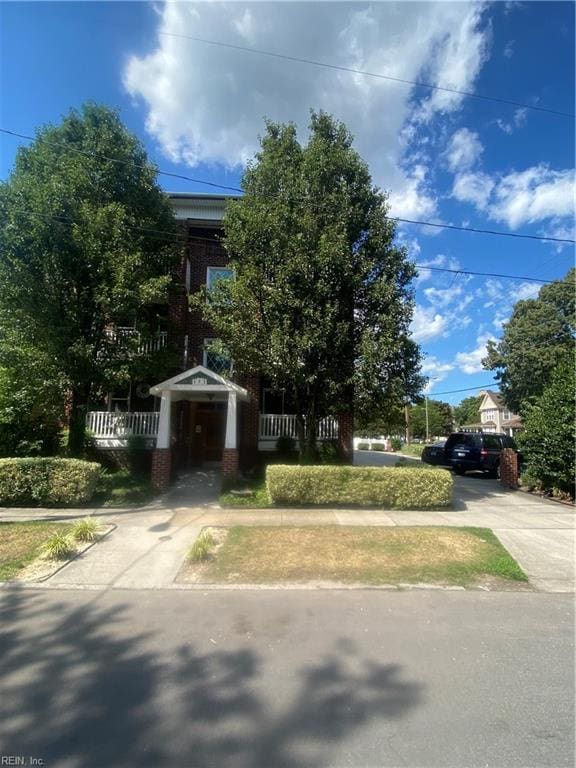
467,451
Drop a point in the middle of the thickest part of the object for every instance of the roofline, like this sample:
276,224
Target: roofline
199,196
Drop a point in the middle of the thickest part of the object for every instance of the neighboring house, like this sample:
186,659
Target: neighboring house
495,417
204,413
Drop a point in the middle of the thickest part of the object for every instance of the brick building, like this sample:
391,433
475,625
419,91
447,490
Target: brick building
204,414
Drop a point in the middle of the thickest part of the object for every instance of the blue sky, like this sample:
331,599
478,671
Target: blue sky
443,157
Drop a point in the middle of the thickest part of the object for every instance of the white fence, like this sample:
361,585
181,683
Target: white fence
108,424
122,334
272,426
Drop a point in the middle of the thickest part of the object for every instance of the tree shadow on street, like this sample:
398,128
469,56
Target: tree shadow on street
81,689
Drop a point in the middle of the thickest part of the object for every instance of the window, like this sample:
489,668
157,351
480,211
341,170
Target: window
216,358
215,274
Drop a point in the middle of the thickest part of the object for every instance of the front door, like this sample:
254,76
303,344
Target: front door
209,431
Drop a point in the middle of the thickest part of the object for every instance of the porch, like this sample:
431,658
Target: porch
113,429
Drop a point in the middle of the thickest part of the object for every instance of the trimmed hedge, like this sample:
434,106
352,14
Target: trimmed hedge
47,481
385,487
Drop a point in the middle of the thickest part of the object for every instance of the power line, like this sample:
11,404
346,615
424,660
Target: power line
341,68
184,238
99,156
482,274
466,389
499,233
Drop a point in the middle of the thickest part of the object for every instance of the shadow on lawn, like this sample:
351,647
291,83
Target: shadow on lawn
88,692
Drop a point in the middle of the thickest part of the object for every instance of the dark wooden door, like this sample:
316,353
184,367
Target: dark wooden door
209,433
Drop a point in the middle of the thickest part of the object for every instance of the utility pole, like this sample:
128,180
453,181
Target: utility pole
407,418
427,427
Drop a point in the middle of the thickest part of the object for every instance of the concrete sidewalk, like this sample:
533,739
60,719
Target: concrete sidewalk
149,544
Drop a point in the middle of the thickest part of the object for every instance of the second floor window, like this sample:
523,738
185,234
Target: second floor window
214,275
216,358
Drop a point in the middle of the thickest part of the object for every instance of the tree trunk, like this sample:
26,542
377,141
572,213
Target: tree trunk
77,421
309,449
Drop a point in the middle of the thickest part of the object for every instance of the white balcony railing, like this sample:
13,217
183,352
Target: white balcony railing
122,334
272,426
110,425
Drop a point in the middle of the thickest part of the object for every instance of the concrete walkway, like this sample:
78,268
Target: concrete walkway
149,544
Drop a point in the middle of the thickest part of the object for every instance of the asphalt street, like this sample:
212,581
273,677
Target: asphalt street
284,679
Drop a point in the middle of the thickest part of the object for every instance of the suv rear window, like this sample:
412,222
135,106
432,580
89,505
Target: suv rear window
463,438
492,442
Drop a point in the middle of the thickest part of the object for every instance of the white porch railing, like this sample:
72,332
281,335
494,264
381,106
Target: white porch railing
272,426
108,424
157,342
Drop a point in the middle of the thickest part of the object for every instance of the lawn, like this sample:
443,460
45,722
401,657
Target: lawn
357,555
258,498
122,489
20,543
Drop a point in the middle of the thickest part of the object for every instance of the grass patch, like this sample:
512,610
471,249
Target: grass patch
122,489
85,530
414,449
258,499
361,555
21,543
200,551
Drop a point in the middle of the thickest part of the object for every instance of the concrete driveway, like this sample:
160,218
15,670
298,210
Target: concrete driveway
538,533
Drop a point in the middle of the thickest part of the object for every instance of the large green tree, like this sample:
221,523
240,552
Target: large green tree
79,254
321,301
468,411
439,419
539,333
548,440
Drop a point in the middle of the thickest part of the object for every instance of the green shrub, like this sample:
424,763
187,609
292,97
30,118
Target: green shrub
378,447
414,449
390,488
139,456
58,547
396,443
329,452
200,550
85,530
47,481
363,447
285,444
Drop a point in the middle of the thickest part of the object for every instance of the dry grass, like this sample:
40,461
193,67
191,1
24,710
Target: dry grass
358,555
21,543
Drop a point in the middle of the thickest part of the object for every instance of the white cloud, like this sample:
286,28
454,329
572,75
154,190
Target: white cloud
438,261
518,120
471,362
533,195
427,324
520,197
442,297
473,188
525,291
205,104
464,149
436,371
509,49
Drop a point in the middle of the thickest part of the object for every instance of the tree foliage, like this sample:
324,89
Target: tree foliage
439,419
78,255
548,440
539,333
321,301
468,411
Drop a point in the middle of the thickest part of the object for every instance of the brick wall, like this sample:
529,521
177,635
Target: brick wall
509,470
230,462
161,468
250,422
203,253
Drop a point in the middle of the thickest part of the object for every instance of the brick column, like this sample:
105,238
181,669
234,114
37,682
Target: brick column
161,468
250,422
509,472
346,436
230,463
